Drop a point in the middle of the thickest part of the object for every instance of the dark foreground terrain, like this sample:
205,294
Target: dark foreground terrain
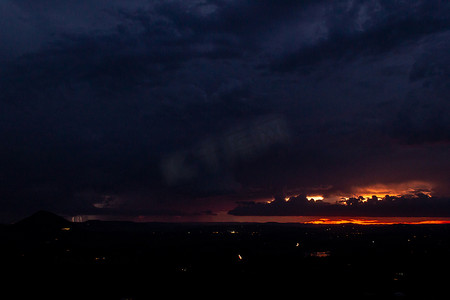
48,257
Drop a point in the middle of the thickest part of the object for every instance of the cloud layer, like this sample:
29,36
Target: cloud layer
419,205
97,95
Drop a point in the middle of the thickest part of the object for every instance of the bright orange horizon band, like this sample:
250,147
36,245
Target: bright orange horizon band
373,221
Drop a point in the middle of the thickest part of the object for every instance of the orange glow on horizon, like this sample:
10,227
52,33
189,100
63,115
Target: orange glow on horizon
361,221
315,197
394,189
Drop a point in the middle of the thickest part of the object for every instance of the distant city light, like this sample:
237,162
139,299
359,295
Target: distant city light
320,254
77,219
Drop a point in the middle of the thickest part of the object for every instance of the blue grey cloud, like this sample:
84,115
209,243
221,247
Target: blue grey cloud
95,94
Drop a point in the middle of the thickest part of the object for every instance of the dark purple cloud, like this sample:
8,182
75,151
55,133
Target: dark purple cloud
419,205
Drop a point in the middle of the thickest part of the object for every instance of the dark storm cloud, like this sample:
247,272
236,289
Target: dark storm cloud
97,95
367,28
419,205
424,115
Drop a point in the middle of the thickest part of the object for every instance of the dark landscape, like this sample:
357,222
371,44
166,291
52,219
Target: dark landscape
126,260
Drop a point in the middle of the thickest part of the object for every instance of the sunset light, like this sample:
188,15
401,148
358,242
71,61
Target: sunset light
393,189
361,221
315,197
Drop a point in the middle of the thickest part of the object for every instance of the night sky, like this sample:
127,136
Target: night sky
208,109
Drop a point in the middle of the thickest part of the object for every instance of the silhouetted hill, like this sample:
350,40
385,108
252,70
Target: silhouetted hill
42,220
